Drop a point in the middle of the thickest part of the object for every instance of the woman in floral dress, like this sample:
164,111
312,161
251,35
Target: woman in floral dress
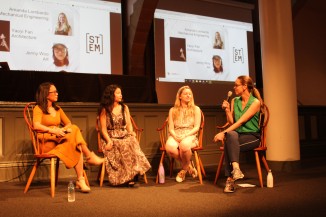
124,158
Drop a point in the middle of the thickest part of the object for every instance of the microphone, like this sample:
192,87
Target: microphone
228,98
229,95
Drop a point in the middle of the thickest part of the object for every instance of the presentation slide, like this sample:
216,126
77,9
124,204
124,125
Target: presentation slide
203,49
57,35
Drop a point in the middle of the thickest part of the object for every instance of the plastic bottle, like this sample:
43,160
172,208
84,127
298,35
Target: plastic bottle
270,180
71,192
161,174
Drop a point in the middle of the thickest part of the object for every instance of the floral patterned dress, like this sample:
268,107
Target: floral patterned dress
185,124
125,159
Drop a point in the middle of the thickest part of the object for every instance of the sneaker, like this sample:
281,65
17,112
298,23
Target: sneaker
237,174
181,176
229,186
192,170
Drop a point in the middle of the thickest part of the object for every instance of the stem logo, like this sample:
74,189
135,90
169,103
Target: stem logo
94,43
238,55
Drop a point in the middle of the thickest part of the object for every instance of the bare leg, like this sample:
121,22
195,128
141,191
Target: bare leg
172,148
85,150
79,167
80,175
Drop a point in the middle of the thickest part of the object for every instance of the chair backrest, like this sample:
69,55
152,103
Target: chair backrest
28,116
263,122
164,132
136,129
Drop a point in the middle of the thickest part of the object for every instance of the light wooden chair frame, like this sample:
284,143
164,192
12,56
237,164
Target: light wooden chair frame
164,134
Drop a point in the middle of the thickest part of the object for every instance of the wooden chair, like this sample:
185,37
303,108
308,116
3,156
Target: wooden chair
164,134
102,170
38,152
259,151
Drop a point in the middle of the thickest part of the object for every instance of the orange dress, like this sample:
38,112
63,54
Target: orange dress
67,147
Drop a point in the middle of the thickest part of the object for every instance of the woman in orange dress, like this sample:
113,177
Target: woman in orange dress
66,142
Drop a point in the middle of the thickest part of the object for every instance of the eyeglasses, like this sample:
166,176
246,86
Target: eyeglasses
53,91
237,85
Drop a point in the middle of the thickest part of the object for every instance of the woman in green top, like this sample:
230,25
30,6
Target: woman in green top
243,133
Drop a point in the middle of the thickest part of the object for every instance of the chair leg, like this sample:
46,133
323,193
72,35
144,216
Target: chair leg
171,160
102,169
31,176
53,178
99,173
86,179
202,167
198,168
259,169
145,178
219,168
161,162
57,171
263,159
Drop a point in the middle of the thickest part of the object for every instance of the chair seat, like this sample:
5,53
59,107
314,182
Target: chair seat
260,149
256,149
45,155
197,149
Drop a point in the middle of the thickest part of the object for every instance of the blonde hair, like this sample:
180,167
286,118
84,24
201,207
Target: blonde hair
177,104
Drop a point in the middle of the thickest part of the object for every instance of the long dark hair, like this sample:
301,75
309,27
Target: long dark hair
41,97
107,101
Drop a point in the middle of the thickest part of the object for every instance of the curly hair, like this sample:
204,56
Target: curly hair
107,101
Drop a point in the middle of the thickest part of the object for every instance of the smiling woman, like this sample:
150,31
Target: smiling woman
49,118
184,122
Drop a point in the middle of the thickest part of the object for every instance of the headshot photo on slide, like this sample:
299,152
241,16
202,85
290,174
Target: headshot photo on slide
63,26
4,36
178,49
217,64
218,41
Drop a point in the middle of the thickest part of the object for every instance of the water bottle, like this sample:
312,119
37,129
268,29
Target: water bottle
270,181
161,174
71,192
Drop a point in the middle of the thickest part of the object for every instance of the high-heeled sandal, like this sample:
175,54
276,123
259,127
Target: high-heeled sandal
81,184
94,159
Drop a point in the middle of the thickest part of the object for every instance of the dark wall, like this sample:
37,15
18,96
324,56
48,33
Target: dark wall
21,86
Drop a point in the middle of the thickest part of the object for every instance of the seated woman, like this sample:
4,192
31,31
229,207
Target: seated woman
243,134
124,158
184,122
65,142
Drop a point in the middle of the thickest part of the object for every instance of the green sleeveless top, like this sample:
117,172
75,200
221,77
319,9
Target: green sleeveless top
252,125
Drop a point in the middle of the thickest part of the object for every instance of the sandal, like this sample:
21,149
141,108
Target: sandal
192,170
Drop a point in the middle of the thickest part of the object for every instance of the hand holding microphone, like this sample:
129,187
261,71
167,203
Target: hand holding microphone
226,102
